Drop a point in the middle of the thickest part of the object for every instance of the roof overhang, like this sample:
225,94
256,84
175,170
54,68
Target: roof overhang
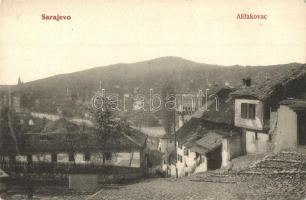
294,104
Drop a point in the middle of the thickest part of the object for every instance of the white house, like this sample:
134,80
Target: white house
211,141
272,114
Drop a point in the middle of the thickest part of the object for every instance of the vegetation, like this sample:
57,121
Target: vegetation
10,131
109,127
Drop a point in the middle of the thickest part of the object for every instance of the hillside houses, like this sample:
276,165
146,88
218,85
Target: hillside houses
272,113
259,117
211,141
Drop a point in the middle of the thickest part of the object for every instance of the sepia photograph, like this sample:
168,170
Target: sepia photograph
153,100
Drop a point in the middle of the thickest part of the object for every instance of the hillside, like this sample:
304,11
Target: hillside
186,76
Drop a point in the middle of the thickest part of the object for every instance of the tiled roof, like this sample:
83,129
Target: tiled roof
61,125
210,140
294,103
193,126
226,110
81,141
268,88
199,149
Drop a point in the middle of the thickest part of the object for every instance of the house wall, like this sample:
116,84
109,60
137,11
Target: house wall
236,146
21,158
231,148
165,145
190,163
226,152
255,124
42,157
180,165
287,127
62,157
201,167
256,145
118,159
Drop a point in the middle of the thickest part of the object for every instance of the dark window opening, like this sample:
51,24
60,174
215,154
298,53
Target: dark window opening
244,110
186,152
86,156
256,136
53,157
251,111
248,111
180,158
71,157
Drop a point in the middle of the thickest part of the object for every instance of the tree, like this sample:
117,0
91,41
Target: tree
168,93
108,126
9,129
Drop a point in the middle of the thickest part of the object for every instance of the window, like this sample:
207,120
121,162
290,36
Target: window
248,111
86,156
53,157
180,146
180,158
186,152
71,157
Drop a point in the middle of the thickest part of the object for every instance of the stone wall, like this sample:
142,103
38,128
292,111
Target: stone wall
83,182
256,142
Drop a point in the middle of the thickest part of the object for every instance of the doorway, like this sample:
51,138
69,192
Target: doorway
214,158
302,128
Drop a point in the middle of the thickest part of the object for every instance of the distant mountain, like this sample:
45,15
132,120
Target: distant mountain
186,76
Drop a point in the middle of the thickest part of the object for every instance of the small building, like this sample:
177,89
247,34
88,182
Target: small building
272,114
64,148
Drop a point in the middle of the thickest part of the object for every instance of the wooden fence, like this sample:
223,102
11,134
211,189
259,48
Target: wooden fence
65,168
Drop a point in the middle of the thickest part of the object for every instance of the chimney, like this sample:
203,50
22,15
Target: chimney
247,82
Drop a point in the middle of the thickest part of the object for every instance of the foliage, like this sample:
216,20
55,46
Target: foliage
109,127
10,131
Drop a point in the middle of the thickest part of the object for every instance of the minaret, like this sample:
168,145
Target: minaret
19,81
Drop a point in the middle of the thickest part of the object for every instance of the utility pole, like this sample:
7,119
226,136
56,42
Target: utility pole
10,123
175,141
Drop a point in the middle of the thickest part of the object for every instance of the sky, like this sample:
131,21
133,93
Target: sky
111,31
